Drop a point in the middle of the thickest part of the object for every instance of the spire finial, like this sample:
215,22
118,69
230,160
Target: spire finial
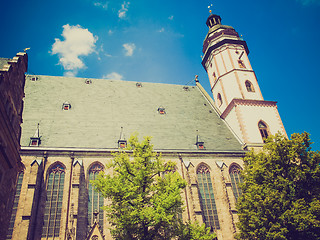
122,142
210,11
37,133
95,213
121,134
196,80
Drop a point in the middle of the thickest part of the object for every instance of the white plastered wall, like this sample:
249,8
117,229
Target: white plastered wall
230,85
234,123
251,115
243,76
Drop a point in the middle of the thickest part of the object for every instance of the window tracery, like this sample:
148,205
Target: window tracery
236,180
95,201
54,199
15,206
207,202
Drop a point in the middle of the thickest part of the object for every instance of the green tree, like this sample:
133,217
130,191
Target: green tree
145,196
281,191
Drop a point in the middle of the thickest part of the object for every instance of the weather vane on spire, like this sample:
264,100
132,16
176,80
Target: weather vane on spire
210,11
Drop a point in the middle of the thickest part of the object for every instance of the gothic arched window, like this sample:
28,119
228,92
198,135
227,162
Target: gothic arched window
15,205
52,212
95,201
207,202
263,128
236,180
249,86
219,99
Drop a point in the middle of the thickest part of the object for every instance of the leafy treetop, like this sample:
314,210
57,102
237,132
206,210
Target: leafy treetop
145,196
281,191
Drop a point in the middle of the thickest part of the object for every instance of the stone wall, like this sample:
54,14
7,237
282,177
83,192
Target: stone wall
74,220
11,94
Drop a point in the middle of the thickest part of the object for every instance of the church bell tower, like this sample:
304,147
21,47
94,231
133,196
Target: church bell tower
234,85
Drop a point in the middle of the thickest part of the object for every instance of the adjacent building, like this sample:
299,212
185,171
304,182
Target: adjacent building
12,80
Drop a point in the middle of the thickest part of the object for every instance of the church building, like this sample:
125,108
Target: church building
71,126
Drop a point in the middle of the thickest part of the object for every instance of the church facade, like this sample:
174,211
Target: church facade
71,126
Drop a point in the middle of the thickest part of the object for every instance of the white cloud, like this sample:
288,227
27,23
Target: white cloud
70,73
122,13
77,42
103,5
129,48
113,76
171,17
161,30
110,32
309,2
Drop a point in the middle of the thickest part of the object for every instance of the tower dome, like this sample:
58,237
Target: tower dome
213,20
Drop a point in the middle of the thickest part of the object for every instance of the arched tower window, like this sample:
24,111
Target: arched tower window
236,180
263,128
219,99
15,206
249,86
52,213
95,201
207,202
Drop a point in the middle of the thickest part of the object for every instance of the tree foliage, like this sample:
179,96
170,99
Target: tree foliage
281,191
145,196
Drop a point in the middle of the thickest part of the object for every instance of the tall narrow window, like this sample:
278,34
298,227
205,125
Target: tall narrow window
241,64
15,206
95,202
263,130
249,86
208,205
219,99
52,213
235,180
214,76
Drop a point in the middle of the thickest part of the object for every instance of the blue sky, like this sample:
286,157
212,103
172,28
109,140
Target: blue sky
161,41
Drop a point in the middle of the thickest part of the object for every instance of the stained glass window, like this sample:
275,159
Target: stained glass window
15,205
95,201
207,202
235,180
54,199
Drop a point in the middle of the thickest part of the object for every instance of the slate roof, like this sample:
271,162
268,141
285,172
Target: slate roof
100,109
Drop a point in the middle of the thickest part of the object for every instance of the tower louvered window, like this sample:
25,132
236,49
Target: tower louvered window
249,86
235,180
263,130
207,202
219,99
15,206
52,214
95,201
